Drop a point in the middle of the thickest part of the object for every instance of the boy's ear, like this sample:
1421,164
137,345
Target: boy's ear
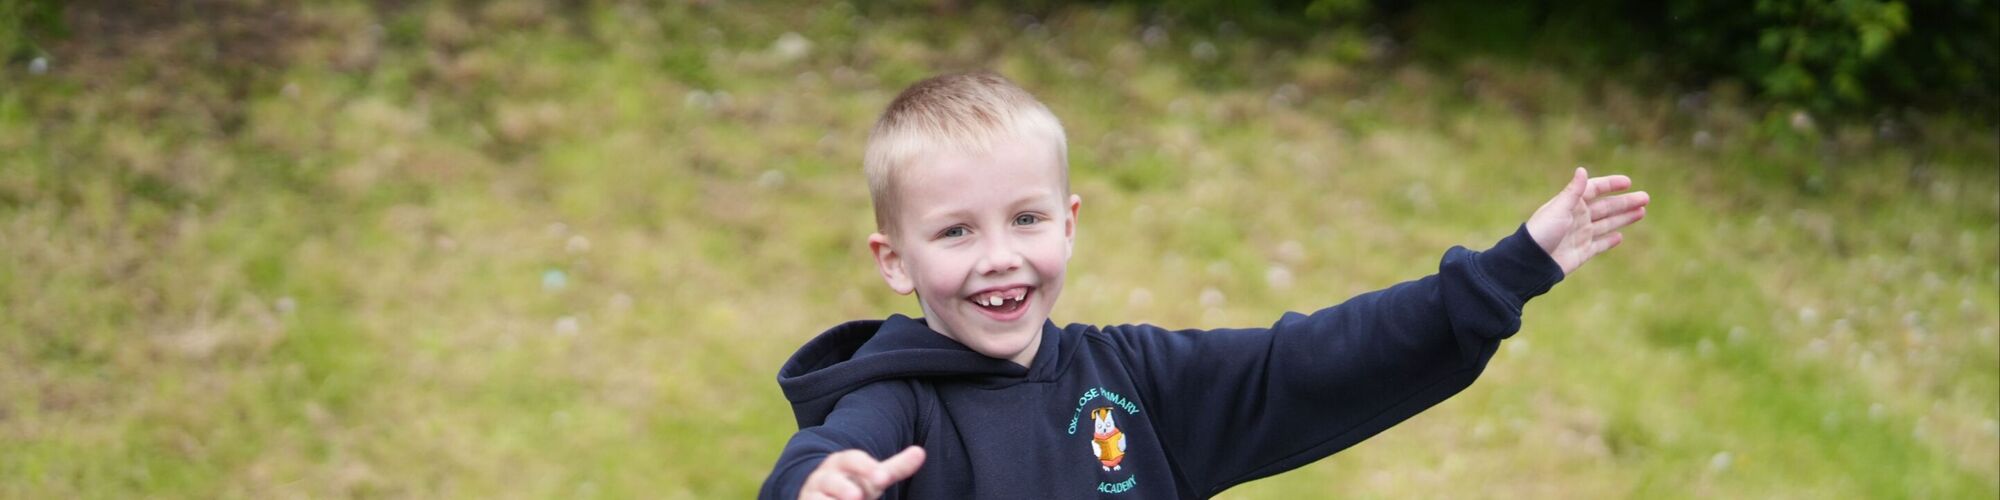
1069,227
890,264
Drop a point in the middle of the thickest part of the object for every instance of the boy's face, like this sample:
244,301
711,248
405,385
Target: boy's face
973,228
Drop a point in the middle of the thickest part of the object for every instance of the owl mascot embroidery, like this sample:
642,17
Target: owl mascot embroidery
1107,442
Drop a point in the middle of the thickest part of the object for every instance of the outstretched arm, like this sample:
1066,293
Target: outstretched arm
837,459
1581,222
1311,385
853,475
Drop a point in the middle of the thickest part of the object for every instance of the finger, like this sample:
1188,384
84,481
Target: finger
851,462
1606,243
1576,197
853,466
858,489
1618,221
900,467
1571,197
832,485
1609,184
1589,189
1609,206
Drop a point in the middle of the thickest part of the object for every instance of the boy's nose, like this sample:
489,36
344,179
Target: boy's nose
1000,257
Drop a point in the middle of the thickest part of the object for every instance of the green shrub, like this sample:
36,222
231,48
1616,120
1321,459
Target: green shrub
1844,54
1854,56
23,22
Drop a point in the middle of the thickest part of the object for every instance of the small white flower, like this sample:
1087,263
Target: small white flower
1153,36
1291,252
1802,122
791,46
1203,50
1278,277
1140,297
698,99
1211,297
771,179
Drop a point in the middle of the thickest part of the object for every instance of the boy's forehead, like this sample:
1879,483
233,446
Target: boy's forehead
939,178
1004,156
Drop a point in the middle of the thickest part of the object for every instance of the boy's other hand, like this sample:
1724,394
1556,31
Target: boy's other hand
1581,222
853,475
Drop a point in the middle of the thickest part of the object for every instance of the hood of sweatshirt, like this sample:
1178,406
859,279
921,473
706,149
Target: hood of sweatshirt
858,353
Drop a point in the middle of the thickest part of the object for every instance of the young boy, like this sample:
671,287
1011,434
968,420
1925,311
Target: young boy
984,397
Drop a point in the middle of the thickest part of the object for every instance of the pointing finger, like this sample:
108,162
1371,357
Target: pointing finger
899,467
854,462
854,471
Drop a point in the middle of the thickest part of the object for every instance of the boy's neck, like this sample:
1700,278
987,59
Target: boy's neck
1026,358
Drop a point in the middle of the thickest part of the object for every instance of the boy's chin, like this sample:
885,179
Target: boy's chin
1008,343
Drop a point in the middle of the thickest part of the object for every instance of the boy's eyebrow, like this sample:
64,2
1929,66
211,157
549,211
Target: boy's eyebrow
1032,197
961,213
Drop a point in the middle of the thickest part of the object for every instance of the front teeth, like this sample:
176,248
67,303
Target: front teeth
999,299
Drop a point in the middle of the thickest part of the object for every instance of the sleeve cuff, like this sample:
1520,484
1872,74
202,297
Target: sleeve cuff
1520,267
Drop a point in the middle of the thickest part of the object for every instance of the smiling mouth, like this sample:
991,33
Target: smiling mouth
1002,304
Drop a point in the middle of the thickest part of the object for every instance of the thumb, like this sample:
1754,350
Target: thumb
897,468
1579,183
1551,222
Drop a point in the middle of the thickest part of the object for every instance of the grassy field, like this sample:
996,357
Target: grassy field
521,250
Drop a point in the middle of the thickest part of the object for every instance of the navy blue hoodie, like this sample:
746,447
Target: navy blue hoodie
1137,411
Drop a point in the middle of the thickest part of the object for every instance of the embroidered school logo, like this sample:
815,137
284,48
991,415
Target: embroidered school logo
1107,442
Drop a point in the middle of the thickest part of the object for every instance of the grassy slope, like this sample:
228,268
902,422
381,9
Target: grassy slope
564,254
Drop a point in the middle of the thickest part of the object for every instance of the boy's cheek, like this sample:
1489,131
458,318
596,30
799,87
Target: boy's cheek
939,285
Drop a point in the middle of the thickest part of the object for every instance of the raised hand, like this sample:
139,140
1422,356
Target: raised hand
1581,222
853,475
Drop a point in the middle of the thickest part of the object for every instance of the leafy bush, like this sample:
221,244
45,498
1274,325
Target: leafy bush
22,22
1845,54
1828,55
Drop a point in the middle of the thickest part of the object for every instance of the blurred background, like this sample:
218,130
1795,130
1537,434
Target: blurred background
264,249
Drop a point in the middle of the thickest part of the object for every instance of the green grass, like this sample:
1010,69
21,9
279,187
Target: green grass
519,250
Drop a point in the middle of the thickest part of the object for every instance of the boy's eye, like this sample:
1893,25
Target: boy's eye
1026,219
953,232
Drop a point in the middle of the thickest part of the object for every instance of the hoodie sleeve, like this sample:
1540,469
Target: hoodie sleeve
879,418
1240,404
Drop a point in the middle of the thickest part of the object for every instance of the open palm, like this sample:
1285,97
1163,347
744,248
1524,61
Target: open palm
1581,222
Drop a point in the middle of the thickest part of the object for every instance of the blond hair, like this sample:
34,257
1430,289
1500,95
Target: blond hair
963,112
